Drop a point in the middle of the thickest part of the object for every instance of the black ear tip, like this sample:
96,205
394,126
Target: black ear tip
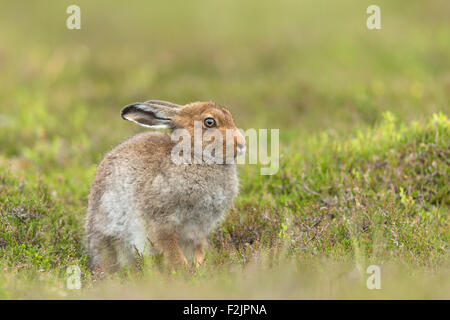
124,111
127,109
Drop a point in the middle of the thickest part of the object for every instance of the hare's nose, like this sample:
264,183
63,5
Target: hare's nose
240,146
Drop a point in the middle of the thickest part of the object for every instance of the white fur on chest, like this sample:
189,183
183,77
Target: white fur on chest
197,221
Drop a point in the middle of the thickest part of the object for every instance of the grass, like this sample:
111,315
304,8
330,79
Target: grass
364,136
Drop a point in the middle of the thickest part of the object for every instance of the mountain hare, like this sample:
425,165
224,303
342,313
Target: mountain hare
143,201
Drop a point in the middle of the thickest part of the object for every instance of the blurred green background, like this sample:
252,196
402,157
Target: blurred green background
302,65
310,68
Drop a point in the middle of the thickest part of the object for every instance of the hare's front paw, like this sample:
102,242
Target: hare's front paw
199,255
178,260
168,244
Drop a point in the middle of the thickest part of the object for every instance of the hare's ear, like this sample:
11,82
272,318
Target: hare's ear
150,115
164,103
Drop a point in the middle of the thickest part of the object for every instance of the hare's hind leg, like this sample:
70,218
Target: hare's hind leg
102,254
126,254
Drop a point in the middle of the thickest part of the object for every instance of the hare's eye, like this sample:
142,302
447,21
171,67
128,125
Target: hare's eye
210,122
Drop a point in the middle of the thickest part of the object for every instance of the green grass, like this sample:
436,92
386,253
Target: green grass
364,142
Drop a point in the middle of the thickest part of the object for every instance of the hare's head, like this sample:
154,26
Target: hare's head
204,121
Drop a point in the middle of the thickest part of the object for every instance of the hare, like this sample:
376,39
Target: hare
141,201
